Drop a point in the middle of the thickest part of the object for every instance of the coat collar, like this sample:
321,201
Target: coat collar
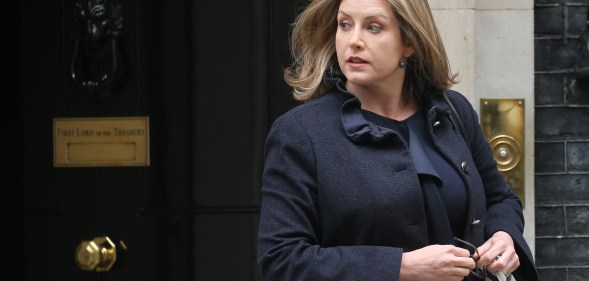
358,129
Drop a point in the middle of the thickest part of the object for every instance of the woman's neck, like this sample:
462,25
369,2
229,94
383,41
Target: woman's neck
385,102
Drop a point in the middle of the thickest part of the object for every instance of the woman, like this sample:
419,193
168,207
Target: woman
369,179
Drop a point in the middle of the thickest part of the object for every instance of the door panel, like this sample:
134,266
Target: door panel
207,74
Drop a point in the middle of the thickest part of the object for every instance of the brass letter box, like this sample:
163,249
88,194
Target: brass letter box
101,142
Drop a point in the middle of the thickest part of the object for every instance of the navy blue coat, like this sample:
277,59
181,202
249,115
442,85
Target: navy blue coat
341,198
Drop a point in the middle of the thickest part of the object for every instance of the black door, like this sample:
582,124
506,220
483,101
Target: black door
207,74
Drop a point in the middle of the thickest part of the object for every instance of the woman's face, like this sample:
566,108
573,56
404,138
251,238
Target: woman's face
368,43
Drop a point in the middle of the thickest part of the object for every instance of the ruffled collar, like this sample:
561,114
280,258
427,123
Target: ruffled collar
356,126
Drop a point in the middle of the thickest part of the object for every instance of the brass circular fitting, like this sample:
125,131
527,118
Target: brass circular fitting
506,151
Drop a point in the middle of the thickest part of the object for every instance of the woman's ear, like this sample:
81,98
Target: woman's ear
409,51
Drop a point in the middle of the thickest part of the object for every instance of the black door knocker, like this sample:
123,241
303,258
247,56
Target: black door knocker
95,61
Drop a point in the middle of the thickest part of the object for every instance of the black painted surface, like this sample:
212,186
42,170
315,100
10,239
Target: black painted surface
208,75
562,139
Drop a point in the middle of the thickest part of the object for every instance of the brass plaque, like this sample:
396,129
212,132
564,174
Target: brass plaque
101,142
503,123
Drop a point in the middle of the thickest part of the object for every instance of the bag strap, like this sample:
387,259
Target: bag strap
455,118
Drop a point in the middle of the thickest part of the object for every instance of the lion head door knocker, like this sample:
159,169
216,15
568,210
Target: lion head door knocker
95,60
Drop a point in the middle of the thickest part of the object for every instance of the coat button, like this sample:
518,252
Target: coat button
475,222
399,168
464,167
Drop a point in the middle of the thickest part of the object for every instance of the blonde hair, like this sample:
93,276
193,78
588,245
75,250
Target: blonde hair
313,49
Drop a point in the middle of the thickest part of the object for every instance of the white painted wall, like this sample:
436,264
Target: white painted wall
490,43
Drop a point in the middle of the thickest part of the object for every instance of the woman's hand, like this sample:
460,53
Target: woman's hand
498,253
436,262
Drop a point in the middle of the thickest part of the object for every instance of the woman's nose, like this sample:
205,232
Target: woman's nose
356,40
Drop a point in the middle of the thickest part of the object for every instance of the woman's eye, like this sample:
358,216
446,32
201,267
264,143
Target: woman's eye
374,28
344,25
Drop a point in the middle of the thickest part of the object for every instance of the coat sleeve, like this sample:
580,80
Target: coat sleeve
504,208
289,236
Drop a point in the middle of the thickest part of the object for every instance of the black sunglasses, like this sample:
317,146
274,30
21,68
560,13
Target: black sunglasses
480,273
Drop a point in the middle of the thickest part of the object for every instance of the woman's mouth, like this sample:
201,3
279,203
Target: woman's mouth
356,60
